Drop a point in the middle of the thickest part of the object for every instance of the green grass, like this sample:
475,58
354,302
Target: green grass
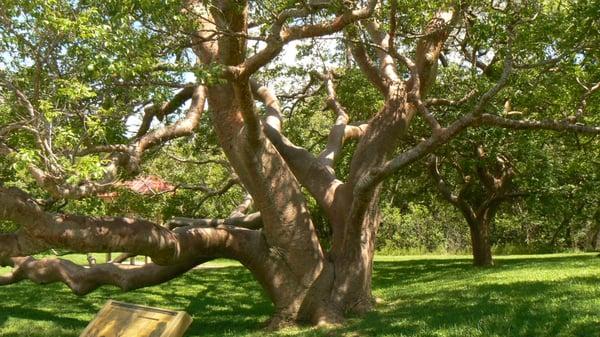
535,295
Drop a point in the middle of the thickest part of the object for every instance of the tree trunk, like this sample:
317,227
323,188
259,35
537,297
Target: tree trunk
568,237
565,224
480,242
353,245
353,261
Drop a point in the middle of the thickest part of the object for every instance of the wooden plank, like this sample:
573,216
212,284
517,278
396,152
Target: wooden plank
120,319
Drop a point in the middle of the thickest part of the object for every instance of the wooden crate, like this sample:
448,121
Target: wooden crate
119,319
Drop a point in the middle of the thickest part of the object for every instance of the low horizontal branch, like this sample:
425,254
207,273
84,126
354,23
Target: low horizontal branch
41,230
251,221
83,280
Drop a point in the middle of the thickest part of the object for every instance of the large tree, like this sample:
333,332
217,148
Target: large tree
74,71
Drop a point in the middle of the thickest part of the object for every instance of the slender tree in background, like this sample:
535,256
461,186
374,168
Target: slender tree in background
74,72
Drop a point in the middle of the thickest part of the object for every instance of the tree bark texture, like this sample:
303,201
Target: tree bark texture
482,247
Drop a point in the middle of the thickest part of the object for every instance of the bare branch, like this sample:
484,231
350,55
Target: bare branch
111,148
493,120
442,186
161,110
469,120
337,134
280,35
316,177
485,176
243,207
243,94
430,46
488,95
269,99
382,40
583,100
414,96
180,128
367,66
250,221
82,280
122,257
443,101
41,230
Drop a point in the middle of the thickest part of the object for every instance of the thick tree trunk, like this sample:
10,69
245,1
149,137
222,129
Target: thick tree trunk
481,245
353,261
353,245
289,262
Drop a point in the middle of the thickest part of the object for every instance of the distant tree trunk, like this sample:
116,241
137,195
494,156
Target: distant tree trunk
480,242
595,231
568,237
566,226
91,259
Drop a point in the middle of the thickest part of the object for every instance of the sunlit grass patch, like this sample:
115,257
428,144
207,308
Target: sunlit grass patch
540,295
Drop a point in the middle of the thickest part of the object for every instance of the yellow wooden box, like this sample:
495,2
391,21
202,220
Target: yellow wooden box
119,319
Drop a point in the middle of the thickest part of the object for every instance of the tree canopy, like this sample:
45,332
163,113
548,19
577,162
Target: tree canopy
277,128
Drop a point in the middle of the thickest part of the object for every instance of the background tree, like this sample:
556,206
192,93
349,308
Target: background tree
479,194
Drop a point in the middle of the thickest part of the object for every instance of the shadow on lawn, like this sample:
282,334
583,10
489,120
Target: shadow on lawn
430,297
220,300
499,308
517,309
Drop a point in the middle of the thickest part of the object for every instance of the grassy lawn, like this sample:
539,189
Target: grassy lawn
533,295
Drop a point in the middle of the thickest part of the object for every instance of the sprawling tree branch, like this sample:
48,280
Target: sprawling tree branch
429,47
123,156
583,100
337,134
367,65
82,280
310,172
553,125
444,101
41,230
163,109
281,34
383,40
457,200
436,140
180,128
251,221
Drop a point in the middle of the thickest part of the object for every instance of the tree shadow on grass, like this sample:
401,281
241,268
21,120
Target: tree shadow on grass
516,309
433,297
232,303
436,298
394,273
52,303
218,299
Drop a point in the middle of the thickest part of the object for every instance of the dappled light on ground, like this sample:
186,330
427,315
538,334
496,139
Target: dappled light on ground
543,295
